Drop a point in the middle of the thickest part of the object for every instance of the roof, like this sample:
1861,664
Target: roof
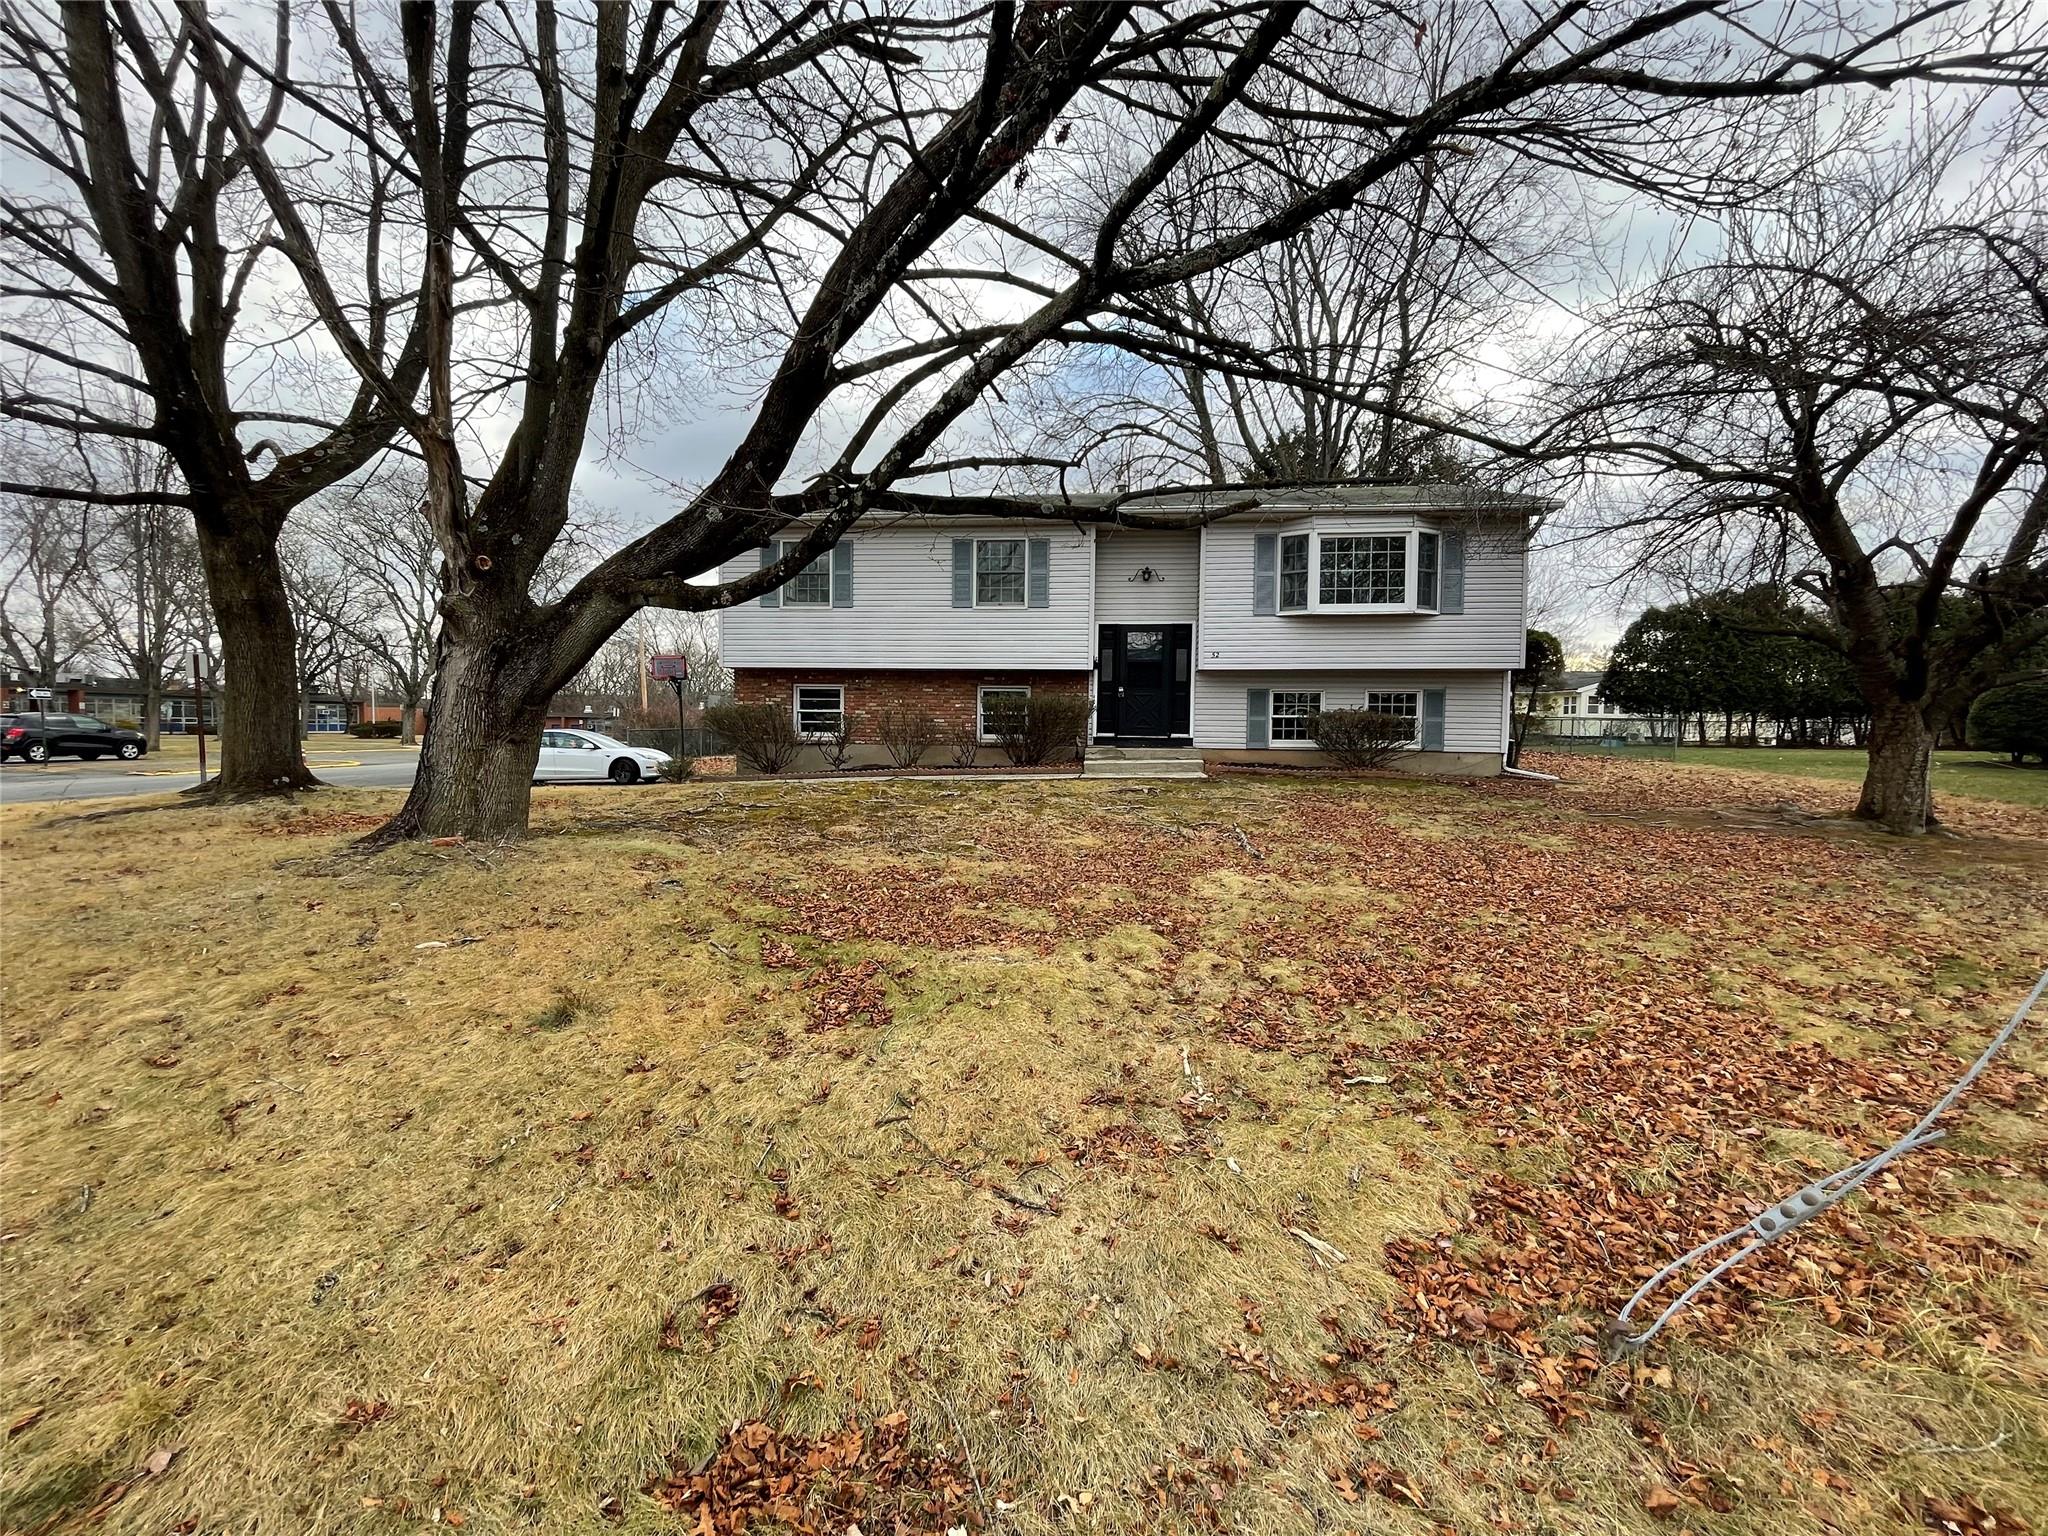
1575,681
1198,504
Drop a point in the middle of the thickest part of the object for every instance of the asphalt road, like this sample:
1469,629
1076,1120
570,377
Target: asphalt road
21,783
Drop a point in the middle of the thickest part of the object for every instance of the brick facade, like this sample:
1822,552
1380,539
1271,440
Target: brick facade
948,697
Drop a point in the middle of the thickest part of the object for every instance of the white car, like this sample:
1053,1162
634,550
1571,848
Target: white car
589,755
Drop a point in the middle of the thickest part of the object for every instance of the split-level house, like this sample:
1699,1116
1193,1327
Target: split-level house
1226,633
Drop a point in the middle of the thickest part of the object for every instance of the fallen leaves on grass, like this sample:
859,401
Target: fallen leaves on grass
870,1477
1964,1516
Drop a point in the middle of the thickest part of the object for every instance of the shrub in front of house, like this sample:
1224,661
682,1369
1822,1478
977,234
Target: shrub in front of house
375,730
1362,738
963,742
763,736
1041,728
907,734
837,744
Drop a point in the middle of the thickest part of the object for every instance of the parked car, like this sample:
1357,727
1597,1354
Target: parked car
39,737
590,755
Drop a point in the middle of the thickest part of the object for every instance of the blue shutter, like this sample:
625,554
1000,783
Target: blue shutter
1265,574
770,599
1451,577
1038,573
1258,717
842,574
963,573
1432,719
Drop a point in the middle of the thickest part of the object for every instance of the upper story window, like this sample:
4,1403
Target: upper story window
1342,571
810,587
1362,570
999,573
1293,572
1427,547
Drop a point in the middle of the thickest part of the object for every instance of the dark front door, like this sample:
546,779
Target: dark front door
1142,681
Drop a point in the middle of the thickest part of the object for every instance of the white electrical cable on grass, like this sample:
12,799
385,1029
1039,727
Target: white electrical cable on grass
1795,1209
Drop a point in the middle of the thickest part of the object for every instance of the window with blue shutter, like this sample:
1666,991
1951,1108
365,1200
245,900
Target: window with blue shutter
1451,579
773,597
1265,573
1258,713
1040,577
842,574
963,573
1432,719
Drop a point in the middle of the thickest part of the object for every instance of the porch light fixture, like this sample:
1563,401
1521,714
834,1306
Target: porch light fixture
1145,573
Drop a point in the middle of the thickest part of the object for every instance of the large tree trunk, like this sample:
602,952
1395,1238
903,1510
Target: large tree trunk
260,752
1897,792
482,744
409,725
152,710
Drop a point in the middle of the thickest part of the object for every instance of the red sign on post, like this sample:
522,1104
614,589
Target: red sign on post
665,669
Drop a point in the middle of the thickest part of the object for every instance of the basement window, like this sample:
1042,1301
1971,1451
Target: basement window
996,705
819,709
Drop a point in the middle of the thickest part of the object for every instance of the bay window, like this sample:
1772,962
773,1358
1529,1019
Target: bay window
1293,572
1362,570
1349,570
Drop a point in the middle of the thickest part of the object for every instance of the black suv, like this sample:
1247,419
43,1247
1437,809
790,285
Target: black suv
38,738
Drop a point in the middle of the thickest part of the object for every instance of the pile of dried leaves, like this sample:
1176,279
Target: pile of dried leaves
868,1479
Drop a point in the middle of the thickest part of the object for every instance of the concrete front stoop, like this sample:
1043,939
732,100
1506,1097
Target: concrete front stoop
1142,763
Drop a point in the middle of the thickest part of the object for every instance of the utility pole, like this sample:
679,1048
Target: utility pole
640,658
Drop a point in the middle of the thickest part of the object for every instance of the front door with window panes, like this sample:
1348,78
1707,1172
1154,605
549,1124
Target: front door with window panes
1141,684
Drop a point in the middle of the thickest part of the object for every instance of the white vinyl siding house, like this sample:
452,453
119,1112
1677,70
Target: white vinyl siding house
1146,578
901,612
1488,634
1225,635
1474,708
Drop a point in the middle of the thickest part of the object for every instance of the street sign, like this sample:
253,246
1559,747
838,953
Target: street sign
39,693
669,668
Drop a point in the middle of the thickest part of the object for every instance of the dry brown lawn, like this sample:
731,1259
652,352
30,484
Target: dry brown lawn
1251,1156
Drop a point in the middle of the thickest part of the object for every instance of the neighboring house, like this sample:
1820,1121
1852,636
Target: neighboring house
1227,635
1577,710
585,711
121,701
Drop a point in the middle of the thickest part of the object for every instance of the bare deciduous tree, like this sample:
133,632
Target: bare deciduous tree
133,259
46,551
377,532
145,585
841,195
1852,395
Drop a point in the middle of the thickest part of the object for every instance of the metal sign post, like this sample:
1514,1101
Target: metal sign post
199,713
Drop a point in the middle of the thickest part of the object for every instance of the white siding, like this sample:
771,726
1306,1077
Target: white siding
1121,553
1472,702
1488,634
903,613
